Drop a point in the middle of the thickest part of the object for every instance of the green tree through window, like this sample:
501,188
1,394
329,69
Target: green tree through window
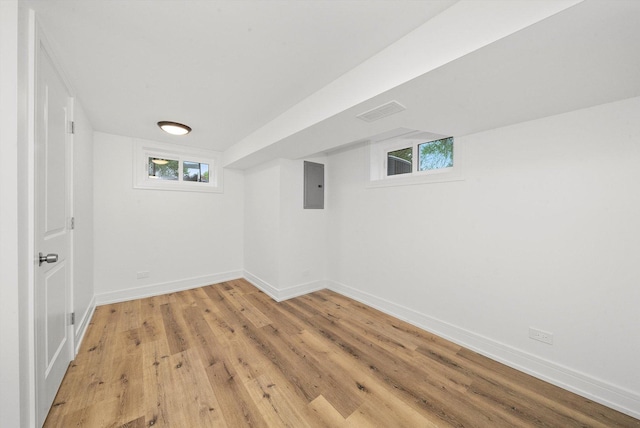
435,154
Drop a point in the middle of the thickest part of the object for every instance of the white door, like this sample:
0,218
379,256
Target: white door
53,336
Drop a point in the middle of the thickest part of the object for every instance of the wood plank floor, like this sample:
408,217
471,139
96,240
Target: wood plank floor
228,355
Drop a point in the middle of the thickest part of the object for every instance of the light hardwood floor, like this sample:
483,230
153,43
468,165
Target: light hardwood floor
228,355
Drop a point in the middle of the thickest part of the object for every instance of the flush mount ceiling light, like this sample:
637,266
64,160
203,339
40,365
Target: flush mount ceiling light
174,128
159,161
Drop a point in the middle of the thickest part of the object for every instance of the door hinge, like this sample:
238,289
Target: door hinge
72,224
73,318
72,127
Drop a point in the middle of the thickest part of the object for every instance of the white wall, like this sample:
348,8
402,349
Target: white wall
544,232
304,231
183,239
83,289
262,223
285,245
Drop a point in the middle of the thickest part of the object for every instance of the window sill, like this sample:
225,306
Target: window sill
415,179
176,186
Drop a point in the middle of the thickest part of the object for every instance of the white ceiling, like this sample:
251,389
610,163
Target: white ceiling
586,55
226,68
247,73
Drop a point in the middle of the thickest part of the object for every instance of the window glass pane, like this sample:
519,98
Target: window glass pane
195,171
435,154
163,169
399,161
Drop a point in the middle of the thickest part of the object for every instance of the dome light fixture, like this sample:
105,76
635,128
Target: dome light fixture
159,161
174,128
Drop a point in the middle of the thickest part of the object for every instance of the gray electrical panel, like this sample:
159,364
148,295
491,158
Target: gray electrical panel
313,185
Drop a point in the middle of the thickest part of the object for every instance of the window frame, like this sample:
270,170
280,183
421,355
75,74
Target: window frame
378,152
144,149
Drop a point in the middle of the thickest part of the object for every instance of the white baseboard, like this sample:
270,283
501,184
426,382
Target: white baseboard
587,386
302,289
264,286
83,324
280,294
165,287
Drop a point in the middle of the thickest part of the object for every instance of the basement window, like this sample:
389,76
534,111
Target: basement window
163,166
414,158
400,161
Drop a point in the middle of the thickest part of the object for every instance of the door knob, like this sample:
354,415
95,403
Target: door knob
49,258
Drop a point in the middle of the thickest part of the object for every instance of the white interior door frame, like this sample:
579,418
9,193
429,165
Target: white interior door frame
11,256
31,243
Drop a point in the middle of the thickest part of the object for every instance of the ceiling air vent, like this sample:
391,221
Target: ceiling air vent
379,112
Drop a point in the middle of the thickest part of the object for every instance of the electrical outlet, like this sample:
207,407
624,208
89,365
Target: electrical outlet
542,336
143,274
